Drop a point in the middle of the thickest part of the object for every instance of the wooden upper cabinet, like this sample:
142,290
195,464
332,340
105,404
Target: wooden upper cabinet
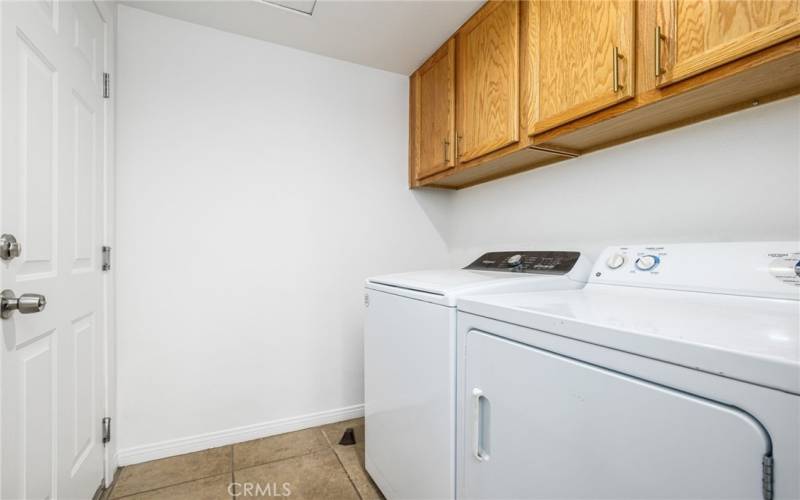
488,80
697,35
526,83
583,57
433,112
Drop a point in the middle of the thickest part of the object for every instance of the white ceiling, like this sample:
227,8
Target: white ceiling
394,35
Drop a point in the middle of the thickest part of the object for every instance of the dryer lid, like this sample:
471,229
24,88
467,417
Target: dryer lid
756,340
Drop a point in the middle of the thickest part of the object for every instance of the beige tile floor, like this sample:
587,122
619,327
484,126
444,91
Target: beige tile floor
311,463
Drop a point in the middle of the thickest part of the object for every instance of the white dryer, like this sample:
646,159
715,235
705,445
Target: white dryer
409,362
675,373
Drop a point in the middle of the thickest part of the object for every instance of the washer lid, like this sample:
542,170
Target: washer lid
756,340
443,282
444,286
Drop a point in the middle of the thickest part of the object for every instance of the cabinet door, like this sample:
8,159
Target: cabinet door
488,80
434,102
696,35
585,55
539,425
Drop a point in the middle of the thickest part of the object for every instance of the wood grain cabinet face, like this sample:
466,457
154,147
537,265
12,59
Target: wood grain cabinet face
526,83
698,35
434,116
583,53
488,80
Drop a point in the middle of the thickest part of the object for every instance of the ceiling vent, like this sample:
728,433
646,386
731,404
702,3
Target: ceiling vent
305,7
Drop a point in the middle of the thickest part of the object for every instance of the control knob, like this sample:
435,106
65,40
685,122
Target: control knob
647,262
785,268
615,261
514,260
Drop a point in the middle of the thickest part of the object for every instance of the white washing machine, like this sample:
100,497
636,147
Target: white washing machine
409,362
675,373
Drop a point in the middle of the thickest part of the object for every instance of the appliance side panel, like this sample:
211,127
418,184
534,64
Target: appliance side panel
409,373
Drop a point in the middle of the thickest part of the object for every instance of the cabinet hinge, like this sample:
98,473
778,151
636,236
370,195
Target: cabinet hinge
106,429
106,258
106,85
767,475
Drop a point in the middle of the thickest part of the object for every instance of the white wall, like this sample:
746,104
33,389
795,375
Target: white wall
733,178
258,186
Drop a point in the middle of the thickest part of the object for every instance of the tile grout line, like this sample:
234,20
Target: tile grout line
312,452
233,469
167,486
170,484
326,438
201,478
338,459
347,473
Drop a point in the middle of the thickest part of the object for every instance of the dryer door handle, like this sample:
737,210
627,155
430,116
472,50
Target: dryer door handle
480,422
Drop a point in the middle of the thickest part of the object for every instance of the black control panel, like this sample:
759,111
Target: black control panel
527,262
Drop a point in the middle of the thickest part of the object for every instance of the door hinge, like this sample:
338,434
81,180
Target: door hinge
106,85
767,476
106,258
106,429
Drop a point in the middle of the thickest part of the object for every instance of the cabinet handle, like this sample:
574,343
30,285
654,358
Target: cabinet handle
458,145
446,151
657,43
615,69
480,422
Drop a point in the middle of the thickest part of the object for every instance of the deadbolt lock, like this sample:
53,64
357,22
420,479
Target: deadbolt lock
27,303
9,247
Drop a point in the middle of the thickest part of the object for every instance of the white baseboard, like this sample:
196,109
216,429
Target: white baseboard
172,447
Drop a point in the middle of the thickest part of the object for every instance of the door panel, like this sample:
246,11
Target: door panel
488,80
87,40
703,34
38,370
435,113
37,138
574,46
84,182
51,191
548,426
84,431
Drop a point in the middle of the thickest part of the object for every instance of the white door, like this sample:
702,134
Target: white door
51,200
539,425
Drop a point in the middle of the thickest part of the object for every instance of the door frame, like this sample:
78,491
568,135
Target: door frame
108,11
